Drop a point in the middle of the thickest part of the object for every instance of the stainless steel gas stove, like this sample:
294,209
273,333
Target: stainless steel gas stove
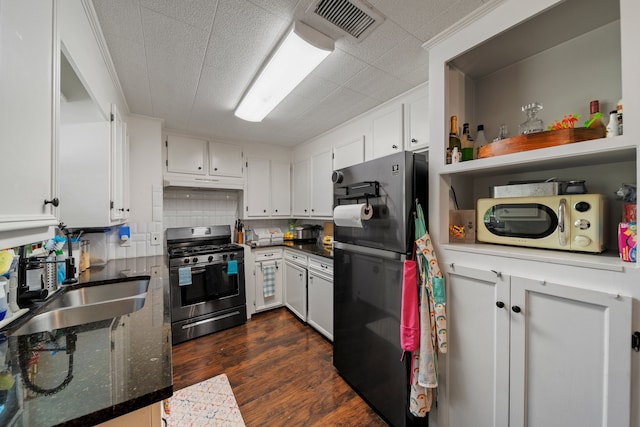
206,277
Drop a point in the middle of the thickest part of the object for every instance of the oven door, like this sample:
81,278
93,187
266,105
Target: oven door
212,288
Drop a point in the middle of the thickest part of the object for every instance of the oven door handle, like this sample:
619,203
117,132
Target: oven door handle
198,270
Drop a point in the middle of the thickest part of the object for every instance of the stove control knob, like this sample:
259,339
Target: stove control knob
232,255
195,260
210,258
224,256
186,260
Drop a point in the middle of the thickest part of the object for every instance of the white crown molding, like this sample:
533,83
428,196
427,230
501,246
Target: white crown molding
104,50
467,20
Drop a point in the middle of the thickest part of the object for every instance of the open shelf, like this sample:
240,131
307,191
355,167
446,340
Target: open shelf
609,260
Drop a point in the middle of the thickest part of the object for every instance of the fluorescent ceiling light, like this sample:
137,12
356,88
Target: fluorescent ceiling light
298,54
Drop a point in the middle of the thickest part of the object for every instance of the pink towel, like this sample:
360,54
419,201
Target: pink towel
410,316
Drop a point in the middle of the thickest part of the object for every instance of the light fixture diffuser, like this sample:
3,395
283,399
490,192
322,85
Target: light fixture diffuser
297,55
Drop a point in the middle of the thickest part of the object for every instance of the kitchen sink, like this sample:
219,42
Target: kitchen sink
86,305
99,293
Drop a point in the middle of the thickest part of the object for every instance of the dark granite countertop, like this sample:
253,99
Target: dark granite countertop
88,374
312,248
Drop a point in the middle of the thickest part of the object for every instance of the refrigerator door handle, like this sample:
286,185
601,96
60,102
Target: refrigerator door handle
364,250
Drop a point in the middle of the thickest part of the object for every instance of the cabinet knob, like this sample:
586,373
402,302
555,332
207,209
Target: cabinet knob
499,304
276,210
413,140
394,146
215,169
199,167
264,210
55,202
516,309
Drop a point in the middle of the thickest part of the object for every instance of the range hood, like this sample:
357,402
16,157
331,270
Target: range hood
208,182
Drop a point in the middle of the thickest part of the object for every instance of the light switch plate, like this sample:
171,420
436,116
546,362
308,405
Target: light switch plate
156,238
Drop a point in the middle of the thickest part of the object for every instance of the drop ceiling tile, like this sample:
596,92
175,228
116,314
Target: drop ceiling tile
172,36
130,62
448,16
198,13
375,83
339,67
282,8
383,38
173,81
412,15
120,17
243,36
407,61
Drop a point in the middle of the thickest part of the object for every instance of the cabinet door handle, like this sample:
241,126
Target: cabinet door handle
414,140
55,202
394,146
516,309
499,304
215,169
199,167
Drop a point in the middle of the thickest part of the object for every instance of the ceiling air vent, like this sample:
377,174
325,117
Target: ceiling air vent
354,18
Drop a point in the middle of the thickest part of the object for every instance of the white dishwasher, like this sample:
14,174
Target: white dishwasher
320,295
295,283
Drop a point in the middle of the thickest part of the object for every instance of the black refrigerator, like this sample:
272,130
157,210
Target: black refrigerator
368,269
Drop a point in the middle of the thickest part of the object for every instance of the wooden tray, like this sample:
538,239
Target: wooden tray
544,139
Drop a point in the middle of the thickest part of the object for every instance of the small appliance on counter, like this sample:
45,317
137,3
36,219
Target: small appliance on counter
267,236
305,232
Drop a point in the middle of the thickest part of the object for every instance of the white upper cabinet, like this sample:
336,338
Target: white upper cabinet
268,192
258,195
27,120
300,188
94,160
280,189
348,153
186,155
225,159
387,131
321,185
417,117
194,162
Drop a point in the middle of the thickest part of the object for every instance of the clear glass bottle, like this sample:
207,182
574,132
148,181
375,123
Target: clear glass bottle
533,123
481,140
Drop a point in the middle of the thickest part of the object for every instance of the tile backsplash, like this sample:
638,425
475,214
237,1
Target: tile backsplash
189,207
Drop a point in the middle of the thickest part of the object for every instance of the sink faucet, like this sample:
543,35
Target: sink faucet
69,263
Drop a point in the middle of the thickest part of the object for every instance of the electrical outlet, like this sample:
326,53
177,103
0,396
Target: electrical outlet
156,238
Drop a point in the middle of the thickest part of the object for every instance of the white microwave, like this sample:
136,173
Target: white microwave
568,222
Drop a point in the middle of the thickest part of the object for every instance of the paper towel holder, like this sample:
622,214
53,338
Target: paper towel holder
360,190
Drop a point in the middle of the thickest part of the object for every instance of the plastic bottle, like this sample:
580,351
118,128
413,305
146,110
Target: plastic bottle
466,143
454,139
612,127
481,140
455,156
4,307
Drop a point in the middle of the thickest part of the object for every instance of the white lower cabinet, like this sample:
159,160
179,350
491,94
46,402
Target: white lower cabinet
268,274
320,296
525,352
295,283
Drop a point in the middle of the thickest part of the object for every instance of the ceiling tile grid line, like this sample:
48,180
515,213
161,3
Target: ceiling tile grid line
189,62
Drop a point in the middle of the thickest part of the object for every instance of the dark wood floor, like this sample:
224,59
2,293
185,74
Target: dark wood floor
280,370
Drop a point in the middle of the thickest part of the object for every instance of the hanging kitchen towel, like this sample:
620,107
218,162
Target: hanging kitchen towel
232,267
435,285
269,279
409,320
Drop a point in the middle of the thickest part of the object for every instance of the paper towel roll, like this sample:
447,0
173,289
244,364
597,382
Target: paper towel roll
352,215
